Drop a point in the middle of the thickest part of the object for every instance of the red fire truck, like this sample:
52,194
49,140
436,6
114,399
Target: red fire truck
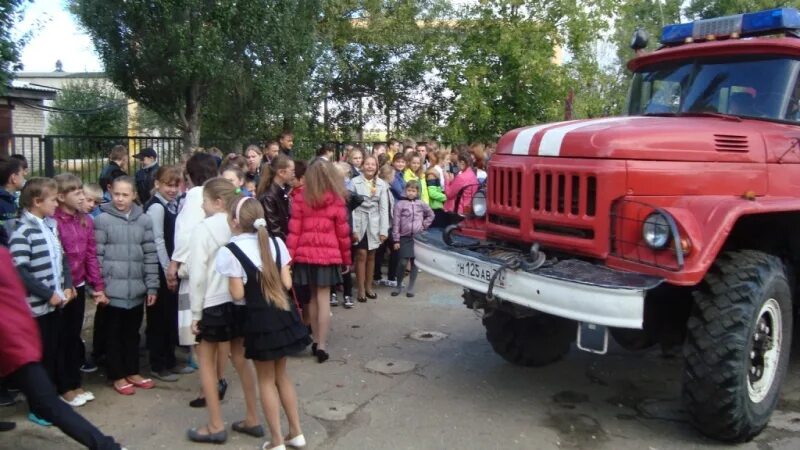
677,224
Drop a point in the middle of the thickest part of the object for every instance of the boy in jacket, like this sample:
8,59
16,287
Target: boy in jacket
12,179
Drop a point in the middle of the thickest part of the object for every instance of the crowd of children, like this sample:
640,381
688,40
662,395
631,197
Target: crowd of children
209,265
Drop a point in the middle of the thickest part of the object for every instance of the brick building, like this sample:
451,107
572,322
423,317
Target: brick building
21,113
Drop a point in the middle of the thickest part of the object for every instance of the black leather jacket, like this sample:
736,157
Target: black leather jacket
276,209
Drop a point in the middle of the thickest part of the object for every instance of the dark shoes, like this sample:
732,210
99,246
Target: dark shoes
89,366
213,438
372,295
200,402
7,426
322,356
255,431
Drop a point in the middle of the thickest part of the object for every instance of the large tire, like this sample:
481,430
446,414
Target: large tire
529,341
737,348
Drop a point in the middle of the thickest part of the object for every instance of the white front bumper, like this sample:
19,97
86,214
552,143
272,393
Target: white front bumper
614,307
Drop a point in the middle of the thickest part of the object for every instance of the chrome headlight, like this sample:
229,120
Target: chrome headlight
656,231
479,204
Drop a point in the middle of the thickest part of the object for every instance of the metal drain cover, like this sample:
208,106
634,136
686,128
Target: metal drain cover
330,409
427,336
388,366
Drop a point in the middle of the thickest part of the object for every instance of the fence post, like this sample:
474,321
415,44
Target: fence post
49,157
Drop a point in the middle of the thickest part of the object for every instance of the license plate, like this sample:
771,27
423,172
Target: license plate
480,272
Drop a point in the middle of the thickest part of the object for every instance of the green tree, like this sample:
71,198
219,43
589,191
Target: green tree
89,108
375,57
505,72
10,11
648,15
266,86
703,9
170,55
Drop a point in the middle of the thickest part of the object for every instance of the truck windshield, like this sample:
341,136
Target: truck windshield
760,88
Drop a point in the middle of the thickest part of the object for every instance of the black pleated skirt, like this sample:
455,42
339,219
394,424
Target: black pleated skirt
314,275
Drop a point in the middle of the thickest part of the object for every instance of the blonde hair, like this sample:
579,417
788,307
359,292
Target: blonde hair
95,191
270,278
343,168
67,183
410,157
219,188
321,178
386,173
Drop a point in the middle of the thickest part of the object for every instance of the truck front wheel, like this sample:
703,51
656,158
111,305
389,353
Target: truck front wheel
529,341
737,348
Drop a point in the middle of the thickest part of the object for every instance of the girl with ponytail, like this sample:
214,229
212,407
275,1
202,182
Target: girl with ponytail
257,267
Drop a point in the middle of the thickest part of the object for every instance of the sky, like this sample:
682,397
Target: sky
55,35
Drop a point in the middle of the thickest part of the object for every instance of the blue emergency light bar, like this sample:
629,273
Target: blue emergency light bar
759,23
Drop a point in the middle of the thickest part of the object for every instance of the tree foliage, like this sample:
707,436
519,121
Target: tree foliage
702,9
375,56
89,108
171,55
10,11
505,69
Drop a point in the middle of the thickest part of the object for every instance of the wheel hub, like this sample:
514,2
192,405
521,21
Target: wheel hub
765,351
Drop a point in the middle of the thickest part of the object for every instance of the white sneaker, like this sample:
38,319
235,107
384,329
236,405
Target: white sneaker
77,401
391,283
265,446
334,300
298,441
348,303
88,396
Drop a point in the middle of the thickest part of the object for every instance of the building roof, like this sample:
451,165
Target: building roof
22,75
22,90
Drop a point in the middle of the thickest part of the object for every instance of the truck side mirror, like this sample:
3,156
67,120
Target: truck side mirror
639,40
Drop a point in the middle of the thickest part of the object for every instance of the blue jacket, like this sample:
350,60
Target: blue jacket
398,186
8,212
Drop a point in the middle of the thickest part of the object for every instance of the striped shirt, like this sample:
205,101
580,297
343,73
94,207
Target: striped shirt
35,263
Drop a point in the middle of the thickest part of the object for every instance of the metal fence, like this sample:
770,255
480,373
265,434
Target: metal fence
85,156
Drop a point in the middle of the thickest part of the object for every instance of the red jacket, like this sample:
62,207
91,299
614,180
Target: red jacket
319,236
20,343
77,240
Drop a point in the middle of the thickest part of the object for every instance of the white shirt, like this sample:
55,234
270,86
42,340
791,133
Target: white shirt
229,266
190,215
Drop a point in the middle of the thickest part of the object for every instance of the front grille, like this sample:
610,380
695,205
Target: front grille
507,186
564,193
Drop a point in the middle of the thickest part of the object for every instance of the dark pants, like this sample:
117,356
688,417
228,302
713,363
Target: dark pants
162,329
70,347
99,334
50,331
122,357
347,284
44,402
380,254
391,269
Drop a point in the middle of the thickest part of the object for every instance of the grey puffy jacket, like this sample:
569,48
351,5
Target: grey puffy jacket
126,251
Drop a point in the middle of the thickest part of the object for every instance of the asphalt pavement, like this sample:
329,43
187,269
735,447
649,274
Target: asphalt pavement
417,373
